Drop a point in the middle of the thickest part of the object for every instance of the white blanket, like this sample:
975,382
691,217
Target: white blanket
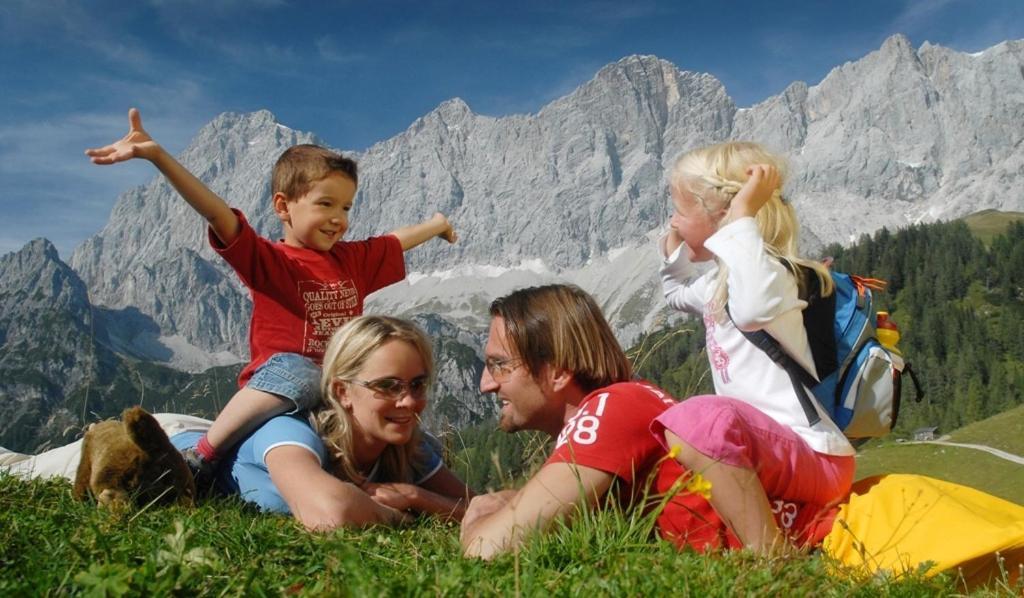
63,461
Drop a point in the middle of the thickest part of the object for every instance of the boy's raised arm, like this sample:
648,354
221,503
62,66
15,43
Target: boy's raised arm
417,234
138,144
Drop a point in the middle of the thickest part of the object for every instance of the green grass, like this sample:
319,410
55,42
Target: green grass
1004,431
969,467
988,224
966,466
51,544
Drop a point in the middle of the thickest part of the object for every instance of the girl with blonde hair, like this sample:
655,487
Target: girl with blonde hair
751,440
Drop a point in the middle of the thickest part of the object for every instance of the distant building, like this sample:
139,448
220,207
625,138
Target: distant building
926,433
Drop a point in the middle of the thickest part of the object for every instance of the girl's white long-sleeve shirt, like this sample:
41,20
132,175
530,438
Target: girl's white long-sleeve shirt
763,295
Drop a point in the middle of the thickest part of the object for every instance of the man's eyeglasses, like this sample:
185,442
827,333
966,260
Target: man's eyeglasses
393,389
501,369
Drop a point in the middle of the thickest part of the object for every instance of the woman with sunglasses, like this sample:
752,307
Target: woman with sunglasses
377,371
360,457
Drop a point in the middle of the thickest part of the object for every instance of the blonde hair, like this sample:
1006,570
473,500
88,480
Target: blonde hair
346,354
560,325
714,175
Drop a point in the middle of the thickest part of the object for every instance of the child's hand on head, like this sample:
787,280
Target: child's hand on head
764,181
448,231
136,144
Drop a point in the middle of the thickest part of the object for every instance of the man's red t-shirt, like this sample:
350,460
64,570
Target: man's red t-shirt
301,296
611,433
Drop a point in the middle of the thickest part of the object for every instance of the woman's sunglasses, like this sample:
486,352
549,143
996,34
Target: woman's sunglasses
394,389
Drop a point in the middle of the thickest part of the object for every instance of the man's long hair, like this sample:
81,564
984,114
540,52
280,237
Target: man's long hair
561,326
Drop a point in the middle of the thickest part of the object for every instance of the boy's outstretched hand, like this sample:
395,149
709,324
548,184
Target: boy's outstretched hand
447,230
136,144
417,234
763,183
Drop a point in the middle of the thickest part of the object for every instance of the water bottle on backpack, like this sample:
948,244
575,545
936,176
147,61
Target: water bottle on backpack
888,332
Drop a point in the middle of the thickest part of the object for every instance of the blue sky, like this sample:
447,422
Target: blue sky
358,72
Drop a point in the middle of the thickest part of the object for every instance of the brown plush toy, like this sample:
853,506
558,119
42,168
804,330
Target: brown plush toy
132,460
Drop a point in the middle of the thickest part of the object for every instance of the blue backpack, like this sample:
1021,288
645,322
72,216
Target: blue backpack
860,379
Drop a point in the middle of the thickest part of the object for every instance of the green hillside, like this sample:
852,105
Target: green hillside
113,383
966,466
1004,431
987,224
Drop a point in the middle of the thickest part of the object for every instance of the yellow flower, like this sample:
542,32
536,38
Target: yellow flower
674,452
698,485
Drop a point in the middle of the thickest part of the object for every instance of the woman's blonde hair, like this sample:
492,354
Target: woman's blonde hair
713,175
346,354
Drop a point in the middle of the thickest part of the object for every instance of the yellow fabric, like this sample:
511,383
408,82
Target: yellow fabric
899,522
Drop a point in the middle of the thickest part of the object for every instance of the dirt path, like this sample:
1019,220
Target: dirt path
980,447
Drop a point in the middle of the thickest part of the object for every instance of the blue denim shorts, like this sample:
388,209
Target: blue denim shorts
289,376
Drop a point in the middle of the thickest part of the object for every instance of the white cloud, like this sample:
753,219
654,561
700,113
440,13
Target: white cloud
545,41
329,51
963,34
47,185
55,146
63,23
51,189
220,6
607,11
917,14
979,37
237,32
252,55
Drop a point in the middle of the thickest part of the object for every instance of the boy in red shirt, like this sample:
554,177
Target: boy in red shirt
303,287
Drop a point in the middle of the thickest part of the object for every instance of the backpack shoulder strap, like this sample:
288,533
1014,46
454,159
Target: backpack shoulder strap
798,376
819,323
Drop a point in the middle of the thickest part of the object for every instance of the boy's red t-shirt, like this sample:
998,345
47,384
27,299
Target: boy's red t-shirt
301,296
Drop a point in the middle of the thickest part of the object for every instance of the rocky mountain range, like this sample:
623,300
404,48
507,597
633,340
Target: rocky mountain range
65,362
575,192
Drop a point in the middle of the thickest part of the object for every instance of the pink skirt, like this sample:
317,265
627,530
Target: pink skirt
738,434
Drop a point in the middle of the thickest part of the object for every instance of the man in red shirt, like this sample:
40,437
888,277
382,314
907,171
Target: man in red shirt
555,366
